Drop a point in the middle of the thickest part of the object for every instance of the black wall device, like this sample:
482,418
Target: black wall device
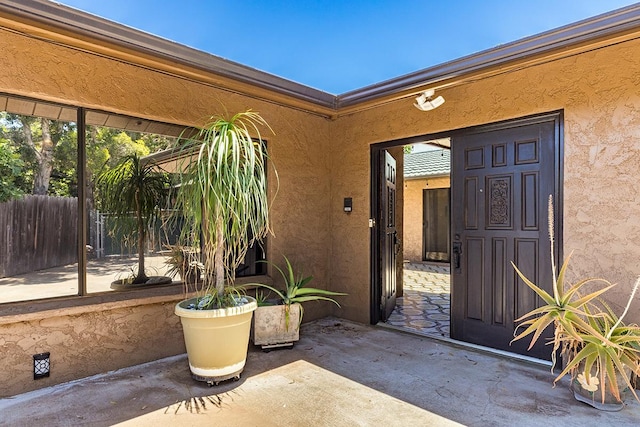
348,204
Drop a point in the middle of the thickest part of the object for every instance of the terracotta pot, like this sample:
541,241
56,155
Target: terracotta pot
271,327
217,340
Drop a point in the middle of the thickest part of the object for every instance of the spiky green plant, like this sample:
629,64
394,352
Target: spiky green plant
296,290
134,187
565,310
589,335
612,353
223,197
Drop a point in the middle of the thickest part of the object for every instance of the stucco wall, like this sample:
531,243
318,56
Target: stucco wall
321,162
599,94
413,214
101,339
86,342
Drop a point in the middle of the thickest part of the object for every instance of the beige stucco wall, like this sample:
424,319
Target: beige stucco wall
413,214
320,162
87,341
599,94
101,339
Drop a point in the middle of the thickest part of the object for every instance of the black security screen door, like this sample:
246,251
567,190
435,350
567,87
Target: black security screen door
389,234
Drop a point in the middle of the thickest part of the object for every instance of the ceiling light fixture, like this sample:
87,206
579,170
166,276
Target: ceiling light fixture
426,102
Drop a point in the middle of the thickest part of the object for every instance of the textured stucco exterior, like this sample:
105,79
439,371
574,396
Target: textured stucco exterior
598,92
88,343
414,214
320,162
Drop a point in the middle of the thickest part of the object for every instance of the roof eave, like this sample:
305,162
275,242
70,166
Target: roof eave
426,176
56,17
606,29
603,30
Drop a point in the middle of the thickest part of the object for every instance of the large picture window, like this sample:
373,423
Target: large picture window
38,201
53,214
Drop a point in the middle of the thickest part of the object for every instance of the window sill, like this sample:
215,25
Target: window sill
26,311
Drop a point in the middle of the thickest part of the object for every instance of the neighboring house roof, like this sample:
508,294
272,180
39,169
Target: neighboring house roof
427,164
54,22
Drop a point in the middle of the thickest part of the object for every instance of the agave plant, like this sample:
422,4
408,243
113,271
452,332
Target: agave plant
134,187
597,347
296,290
223,197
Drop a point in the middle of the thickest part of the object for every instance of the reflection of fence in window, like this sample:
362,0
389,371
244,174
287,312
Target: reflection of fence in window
96,234
107,239
38,232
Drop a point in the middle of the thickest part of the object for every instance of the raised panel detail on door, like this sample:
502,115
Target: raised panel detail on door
526,152
527,259
499,157
530,200
475,299
472,202
474,159
499,279
500,201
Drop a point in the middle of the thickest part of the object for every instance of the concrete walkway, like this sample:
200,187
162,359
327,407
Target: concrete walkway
339,374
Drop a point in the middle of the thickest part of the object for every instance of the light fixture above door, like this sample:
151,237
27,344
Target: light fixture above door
426,102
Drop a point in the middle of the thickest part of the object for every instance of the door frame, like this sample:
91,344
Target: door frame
375,276
376,149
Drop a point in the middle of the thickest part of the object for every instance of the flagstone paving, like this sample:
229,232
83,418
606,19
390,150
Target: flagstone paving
425,305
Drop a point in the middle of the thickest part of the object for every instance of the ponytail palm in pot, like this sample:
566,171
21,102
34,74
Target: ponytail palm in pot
223,198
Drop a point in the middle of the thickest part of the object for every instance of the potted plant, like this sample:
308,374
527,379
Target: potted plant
184,262
276,322
134,187
223,199
599,351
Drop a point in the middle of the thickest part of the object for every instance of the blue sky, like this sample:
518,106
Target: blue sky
342,45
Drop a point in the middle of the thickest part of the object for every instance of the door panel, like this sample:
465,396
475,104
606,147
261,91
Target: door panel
502,177
389,236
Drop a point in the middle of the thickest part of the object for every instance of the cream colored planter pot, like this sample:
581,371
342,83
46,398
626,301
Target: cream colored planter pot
270,326
217,340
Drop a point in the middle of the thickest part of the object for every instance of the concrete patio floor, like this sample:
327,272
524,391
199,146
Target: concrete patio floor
339,374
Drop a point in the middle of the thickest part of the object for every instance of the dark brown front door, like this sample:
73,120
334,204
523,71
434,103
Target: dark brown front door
502,178
388,233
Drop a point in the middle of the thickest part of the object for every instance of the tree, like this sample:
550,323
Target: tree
43,151
36,140
11,168
133,186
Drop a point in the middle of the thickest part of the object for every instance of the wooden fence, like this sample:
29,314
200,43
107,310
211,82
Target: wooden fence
36,233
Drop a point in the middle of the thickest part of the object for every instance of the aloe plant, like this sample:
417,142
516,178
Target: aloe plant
589,335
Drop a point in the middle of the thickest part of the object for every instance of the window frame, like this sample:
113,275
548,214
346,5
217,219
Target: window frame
83,297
